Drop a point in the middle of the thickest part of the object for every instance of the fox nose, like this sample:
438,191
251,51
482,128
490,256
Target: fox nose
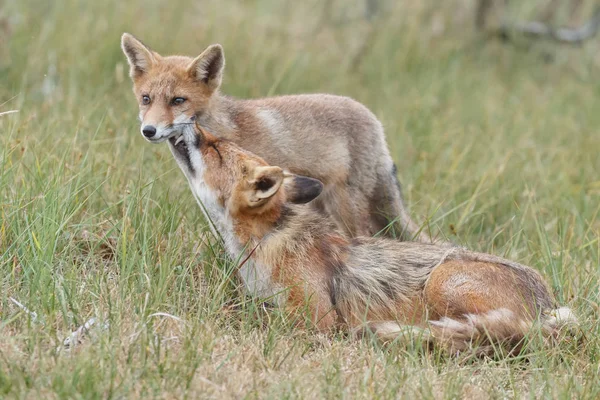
149,131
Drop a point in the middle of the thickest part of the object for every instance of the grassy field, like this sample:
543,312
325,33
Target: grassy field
497,148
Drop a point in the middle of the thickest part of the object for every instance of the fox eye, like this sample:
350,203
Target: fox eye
177,101
145,100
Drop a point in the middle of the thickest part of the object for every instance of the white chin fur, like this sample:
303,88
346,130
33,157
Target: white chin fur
156,140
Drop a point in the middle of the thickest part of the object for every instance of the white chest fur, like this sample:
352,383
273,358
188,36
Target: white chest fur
255,276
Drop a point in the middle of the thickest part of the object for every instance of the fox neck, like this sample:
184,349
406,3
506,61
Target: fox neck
254,228
219,117
293,230
219,221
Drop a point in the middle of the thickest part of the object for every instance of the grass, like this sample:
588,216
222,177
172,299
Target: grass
496,147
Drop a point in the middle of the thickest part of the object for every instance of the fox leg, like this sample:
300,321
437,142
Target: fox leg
482,302
461,287
309,304
387,331
388,213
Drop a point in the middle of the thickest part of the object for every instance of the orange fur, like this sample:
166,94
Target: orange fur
456,288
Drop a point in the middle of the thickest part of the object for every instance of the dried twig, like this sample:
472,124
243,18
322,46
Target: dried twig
8,112
563,35
76,338
33,315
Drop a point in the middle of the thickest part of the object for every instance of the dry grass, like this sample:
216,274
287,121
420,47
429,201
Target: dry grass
497,149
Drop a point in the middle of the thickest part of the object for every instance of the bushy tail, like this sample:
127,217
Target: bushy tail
497,329
559,320
483,333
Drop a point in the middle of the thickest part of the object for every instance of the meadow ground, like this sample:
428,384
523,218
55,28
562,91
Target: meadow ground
497,147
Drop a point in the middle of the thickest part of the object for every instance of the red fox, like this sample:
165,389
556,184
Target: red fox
299,258
331,138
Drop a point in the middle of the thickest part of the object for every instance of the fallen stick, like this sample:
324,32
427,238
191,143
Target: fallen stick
541,30
76,337
33,315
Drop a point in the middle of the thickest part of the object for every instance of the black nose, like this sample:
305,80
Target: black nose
149,131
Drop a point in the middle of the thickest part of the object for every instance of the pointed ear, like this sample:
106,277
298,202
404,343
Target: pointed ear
265,182
208,66
139,56
302,189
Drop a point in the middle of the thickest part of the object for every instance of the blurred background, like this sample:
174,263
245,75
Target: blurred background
490,108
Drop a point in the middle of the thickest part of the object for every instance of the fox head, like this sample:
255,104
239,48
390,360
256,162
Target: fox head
235,183
173,90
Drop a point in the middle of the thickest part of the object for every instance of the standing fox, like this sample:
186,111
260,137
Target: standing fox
331,138
298,257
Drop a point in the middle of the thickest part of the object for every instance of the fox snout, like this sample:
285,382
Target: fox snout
158,124
159,132
156,133
149,131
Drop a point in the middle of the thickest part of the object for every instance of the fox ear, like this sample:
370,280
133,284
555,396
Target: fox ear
302,189
208,66
139,55
265,182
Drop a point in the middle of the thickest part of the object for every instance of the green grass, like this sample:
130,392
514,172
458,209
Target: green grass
496,148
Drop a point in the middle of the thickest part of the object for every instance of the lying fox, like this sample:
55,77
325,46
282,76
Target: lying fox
334,139
298,257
